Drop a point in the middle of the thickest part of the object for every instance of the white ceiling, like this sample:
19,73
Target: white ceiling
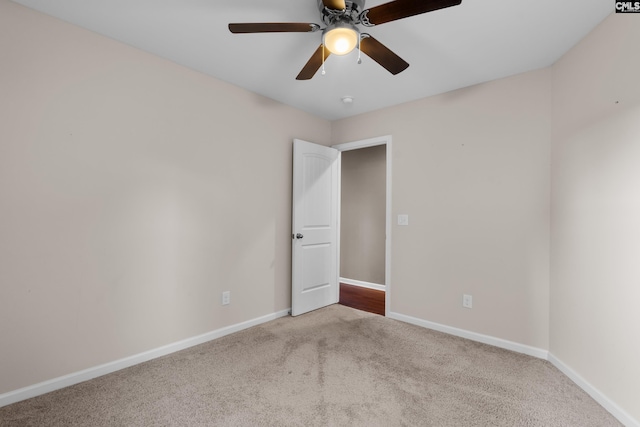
478,41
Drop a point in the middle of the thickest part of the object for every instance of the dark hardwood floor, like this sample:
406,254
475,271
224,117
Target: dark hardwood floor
365,299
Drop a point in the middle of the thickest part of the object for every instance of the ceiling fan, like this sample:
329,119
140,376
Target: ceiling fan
341,34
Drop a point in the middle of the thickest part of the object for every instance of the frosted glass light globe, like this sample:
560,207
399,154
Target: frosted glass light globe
340,40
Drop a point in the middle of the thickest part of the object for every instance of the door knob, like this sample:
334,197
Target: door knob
299,236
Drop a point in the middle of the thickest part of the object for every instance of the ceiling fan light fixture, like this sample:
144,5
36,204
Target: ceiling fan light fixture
340,38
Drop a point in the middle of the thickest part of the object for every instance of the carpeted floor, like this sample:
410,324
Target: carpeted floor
333,367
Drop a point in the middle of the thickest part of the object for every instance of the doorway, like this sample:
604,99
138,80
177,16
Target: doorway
365,224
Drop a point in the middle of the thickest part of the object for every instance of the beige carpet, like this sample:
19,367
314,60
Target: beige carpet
332,367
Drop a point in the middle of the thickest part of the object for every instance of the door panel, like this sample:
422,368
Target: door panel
315,258
315,231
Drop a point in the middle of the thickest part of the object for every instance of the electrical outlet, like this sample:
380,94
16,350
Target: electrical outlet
226,298
467,301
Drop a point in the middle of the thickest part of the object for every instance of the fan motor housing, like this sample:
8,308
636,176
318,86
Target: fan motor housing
350,14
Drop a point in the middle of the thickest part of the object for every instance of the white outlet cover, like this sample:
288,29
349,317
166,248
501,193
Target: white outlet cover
403,219
467,301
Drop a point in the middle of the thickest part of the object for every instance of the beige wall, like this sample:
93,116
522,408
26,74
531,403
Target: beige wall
363,214
132,193
595,251
471,168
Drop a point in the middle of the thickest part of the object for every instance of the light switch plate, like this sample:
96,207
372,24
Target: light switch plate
403,219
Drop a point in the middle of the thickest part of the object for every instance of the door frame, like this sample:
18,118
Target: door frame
355,145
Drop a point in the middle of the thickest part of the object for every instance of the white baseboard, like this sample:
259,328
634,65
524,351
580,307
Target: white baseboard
485,339
107,368
363,284
596,394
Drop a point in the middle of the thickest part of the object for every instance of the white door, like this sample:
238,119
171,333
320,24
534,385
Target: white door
315,227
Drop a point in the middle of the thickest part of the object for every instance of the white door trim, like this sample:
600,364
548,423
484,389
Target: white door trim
372,142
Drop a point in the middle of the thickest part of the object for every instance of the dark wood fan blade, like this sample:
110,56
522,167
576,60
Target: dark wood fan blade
334,4
315,62
399,9
383,55
273,27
